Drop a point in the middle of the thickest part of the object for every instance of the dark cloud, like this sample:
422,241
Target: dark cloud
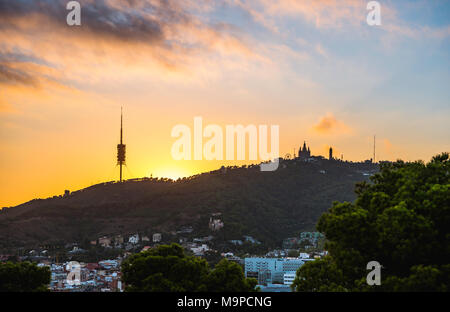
12,69
20,57
167,31
123,21
126,20
9,75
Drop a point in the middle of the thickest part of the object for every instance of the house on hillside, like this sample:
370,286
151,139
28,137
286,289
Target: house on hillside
157,237
104,241
134,239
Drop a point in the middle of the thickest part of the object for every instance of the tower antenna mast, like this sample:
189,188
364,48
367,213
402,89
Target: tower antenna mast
374,149
121,148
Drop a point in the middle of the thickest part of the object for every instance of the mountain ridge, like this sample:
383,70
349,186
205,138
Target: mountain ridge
267,205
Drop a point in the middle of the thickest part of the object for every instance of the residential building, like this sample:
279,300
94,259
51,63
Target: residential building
215,224
104,241
289,277
200,250
134,239
157,237
118,239
270,270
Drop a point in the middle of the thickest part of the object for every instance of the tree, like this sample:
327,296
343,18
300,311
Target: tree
23,277
168,269
213,257
401,220
227,276
318,275
293,253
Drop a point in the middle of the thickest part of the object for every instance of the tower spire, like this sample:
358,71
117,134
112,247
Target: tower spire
121,147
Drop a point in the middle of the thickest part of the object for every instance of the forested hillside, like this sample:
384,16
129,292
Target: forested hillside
266,205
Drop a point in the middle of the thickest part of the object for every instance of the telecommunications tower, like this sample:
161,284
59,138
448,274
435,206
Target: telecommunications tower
121,149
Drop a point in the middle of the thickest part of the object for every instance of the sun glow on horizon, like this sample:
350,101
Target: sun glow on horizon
316,69
173,173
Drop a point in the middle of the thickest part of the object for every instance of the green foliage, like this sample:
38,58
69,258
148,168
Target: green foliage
212,257
422,278
318,275
293,253
165,269
94,254
23,277
228,277
268,206
168,269
401,220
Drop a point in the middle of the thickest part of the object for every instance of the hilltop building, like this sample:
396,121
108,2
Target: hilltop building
304,152
215,223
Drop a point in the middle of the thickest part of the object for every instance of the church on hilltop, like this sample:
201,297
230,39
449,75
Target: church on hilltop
304,152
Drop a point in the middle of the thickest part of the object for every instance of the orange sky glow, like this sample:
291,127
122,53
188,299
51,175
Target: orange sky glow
312,67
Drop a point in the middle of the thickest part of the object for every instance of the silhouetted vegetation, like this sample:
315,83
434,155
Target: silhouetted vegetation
168,269
23,277
269,206
401,220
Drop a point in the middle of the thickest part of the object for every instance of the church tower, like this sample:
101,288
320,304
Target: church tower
304,152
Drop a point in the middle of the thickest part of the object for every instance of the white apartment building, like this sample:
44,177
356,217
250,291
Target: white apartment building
289,277
271,270
134,239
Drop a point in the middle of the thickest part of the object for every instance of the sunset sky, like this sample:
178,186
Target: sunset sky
315,68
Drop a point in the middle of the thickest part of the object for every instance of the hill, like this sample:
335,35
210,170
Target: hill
269,206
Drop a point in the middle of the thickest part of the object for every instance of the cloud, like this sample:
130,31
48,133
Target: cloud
170,34
9,75
4,107
256,13
321,51
330,125
321,13
166,24
387,146
337,14
114,20
16,68
419,32
152,41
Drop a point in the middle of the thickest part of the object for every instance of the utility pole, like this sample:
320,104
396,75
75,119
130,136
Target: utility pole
374,149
